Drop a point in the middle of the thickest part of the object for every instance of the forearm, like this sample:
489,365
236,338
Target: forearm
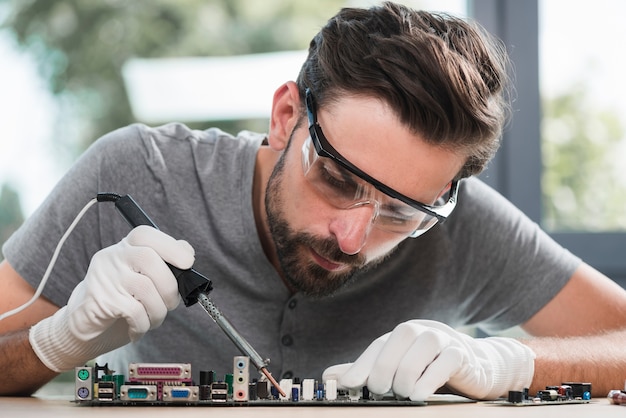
22,371
597,359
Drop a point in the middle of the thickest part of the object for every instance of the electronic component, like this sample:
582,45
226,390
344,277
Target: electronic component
241,378
308,390
219,392
117,381
158,384
138,372
295,389
106,391
286,384
580,390
83,383
206,378
565,393
330,391
181,393
138,393
617,397
263,389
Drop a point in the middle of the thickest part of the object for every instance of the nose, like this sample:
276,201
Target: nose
352,226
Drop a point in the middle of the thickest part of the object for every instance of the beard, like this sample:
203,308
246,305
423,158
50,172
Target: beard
293,248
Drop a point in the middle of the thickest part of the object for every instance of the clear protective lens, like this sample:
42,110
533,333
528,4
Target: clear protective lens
344,190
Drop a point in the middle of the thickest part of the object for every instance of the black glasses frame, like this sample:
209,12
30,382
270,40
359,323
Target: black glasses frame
324,149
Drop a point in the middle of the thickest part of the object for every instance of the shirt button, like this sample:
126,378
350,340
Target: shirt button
287,340
292,304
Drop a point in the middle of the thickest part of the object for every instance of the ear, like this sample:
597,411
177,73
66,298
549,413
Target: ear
285,114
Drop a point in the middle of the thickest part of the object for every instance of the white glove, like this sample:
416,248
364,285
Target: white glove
128,290
420,356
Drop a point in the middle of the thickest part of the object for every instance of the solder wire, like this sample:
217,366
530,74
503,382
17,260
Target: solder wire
51,264
237,339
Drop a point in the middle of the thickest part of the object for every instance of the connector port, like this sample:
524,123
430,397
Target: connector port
83,393
219,397
219,386
181,393
156,371
106,396
138,392
83,374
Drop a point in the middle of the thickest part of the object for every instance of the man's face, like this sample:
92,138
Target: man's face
321,247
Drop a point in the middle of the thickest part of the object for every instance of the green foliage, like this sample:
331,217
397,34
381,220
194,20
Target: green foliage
583,183
81,46
11,215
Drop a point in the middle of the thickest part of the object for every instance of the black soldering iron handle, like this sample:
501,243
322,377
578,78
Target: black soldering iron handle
190,282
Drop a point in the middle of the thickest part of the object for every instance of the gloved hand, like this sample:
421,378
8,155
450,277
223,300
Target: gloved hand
420,356
128,290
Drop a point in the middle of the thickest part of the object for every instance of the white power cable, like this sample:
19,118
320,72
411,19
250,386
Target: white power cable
53,260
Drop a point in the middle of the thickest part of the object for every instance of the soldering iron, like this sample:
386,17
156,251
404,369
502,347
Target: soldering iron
192,285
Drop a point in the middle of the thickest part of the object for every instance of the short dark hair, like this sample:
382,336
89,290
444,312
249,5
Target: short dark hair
445,77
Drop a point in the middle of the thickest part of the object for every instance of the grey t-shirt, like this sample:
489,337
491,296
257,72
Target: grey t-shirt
488,265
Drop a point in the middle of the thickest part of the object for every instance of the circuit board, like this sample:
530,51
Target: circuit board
563,394
538,402
171,384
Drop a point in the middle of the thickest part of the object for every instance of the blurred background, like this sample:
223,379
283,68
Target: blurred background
72,70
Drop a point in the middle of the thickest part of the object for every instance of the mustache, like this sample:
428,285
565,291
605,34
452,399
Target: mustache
329,249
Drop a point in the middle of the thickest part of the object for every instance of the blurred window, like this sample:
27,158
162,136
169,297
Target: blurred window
583,128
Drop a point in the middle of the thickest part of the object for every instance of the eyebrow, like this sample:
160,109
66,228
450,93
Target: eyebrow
387,202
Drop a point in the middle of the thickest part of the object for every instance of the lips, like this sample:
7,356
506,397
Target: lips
327,264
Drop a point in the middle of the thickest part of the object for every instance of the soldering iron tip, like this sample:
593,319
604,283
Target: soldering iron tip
273,381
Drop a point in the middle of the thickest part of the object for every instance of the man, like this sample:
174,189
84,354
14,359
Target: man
325,239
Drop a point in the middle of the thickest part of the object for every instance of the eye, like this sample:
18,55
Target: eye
390,217
399,217
338,179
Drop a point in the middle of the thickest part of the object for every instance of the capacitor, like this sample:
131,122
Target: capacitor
252,393
295,389
579,390
566,392
205,392
365,393
319,392
274,392
515,396
262,389
617,397
547,395
207,377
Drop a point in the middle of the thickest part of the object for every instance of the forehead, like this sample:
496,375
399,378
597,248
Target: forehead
368,133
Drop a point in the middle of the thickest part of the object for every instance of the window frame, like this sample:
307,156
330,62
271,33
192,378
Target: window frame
517,168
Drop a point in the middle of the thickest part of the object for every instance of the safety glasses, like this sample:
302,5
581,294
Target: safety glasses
345,186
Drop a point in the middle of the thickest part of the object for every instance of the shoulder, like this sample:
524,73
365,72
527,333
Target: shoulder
481,209
475,194
139,135
172,141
